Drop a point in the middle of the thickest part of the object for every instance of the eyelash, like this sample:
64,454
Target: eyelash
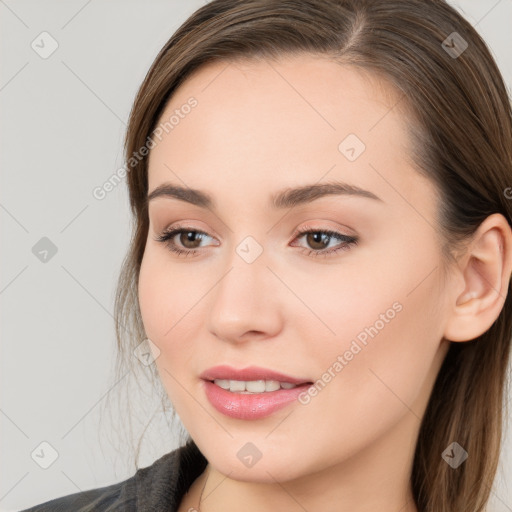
167,236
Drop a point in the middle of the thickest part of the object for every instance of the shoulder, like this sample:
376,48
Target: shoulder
156,487
118,496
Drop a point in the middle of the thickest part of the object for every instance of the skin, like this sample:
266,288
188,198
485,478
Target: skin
259,127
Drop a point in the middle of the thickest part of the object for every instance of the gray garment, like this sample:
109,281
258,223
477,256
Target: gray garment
156,488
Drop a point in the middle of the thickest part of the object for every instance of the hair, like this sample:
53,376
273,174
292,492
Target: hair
459,118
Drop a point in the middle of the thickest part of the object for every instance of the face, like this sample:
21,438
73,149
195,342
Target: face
355,307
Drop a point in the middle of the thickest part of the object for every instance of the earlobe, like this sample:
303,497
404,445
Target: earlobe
486,272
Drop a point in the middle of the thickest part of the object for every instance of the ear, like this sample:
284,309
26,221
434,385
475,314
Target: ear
485,274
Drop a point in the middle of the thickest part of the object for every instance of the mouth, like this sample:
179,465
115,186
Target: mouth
251,393
255,379
254,386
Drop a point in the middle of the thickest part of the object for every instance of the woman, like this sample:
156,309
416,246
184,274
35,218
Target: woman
321,259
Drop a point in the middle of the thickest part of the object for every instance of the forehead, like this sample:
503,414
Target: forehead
272,123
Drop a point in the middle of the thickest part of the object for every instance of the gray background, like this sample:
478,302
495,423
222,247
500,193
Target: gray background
63,123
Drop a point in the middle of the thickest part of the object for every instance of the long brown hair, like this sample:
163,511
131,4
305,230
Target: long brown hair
460,120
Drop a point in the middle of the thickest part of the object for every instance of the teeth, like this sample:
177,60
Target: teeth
236,385
255,386
271,385
252,386
224,384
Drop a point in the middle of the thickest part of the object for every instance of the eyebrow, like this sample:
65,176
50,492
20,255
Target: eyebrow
286,198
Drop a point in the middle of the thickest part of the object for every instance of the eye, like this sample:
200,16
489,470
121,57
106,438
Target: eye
188,237
319,239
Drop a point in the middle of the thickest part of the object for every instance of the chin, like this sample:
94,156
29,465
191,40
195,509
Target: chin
267,469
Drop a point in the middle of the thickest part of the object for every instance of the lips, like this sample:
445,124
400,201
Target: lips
250,373
252,405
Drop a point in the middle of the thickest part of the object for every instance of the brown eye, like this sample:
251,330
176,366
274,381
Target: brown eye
189,239
318,239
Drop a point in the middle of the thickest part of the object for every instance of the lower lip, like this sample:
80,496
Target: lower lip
251,406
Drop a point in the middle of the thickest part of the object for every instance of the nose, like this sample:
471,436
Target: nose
245,302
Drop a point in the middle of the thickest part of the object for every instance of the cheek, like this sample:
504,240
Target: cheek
375,370
163,302
153,301
172,310
382,322
384,343
166,293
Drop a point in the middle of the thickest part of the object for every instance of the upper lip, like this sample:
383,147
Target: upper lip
225,372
